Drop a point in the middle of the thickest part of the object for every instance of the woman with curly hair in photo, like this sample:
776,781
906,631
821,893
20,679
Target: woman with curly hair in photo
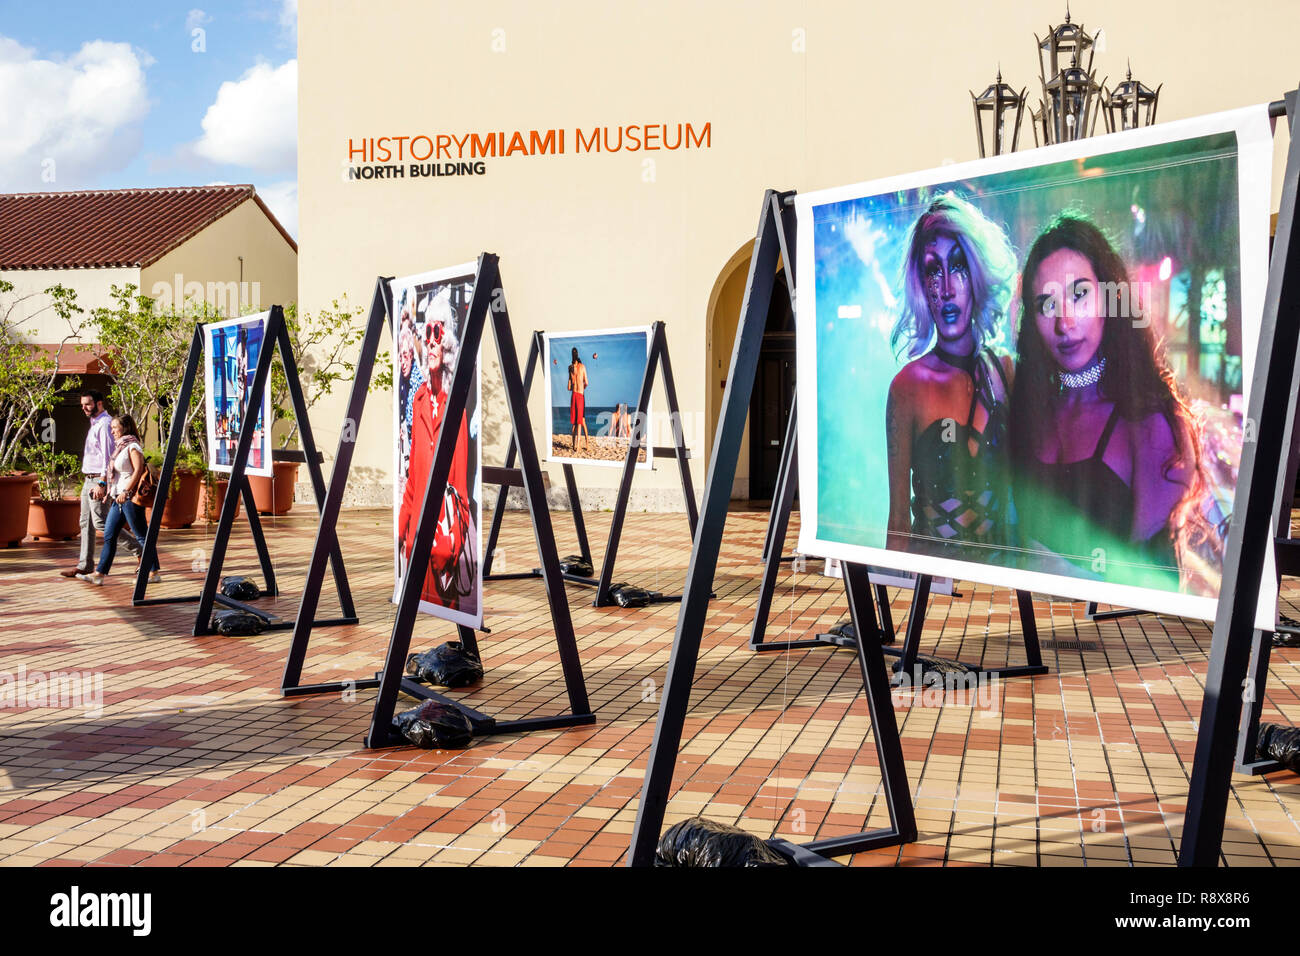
946,415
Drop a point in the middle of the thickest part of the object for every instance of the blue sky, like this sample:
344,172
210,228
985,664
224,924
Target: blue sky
150,93
615,366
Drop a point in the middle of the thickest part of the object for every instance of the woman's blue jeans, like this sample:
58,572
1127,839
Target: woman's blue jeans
131,515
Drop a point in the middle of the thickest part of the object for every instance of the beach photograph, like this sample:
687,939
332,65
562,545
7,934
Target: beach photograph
593,380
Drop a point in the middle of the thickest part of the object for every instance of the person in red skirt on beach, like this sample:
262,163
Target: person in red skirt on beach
578,401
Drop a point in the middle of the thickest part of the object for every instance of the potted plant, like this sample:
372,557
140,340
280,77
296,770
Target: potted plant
182,507
29,386
322,344
55,513
213,496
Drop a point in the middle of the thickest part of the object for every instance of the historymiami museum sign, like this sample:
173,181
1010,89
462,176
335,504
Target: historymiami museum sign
415,156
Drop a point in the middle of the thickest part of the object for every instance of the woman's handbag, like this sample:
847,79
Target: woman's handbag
144,489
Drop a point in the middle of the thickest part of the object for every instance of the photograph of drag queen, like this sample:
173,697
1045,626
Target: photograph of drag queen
1106,450
424,380
946,417
233,347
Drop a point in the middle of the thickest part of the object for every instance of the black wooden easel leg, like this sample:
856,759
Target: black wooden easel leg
884,728
1095,615
778,524
307,439
886,615
331,505
1271,409
503,492
1248,758
640,441
259,537
691,616
680,451
544,534
915,626
575,509
180,403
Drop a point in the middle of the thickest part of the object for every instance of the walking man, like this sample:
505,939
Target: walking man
95,464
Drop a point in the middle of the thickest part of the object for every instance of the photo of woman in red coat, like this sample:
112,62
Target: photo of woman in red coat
451,581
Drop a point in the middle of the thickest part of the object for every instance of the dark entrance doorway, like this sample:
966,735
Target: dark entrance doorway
769,406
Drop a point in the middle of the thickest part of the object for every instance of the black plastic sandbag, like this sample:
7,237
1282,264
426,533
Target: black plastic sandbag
241,588
235,623
434,726
844,629
941,666
702,842
629,595
1280,743
447,665
576,564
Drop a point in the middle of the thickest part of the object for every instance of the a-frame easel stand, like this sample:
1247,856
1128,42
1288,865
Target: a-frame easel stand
275,336
1261,490
775,223
773,544
641,440
392,679
535,349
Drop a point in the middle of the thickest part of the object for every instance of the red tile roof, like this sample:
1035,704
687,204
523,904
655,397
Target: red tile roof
109,228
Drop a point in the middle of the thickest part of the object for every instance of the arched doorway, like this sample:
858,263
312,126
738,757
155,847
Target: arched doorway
773,396
757,466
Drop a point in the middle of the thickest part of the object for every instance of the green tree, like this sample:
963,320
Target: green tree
29,377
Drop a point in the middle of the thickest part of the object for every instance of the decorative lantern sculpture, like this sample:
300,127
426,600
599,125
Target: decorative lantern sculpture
1069,107
1071,97
1131,104
994,110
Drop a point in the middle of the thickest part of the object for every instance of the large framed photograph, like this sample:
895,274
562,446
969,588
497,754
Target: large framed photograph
231,349
430,311
1030,371
593,384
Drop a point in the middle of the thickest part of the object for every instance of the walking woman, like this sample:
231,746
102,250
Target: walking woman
1106,450
123,476
946,415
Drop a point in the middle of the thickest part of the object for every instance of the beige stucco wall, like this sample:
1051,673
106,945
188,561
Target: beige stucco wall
92,287
798,96
270,267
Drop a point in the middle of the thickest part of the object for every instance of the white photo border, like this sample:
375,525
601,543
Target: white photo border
468,271
1255,161
210,395
551,457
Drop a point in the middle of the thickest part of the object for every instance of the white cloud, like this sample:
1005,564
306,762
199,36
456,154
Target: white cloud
254,120
282,200
71,118
196,18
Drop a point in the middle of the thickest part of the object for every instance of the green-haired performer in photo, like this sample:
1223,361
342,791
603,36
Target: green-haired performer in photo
1106,450
946,416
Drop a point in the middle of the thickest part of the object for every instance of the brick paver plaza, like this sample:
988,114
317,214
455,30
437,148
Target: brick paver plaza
197,760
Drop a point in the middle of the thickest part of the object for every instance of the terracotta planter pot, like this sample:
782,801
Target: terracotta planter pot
212,497
15,498
274,495
58,519
182,506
